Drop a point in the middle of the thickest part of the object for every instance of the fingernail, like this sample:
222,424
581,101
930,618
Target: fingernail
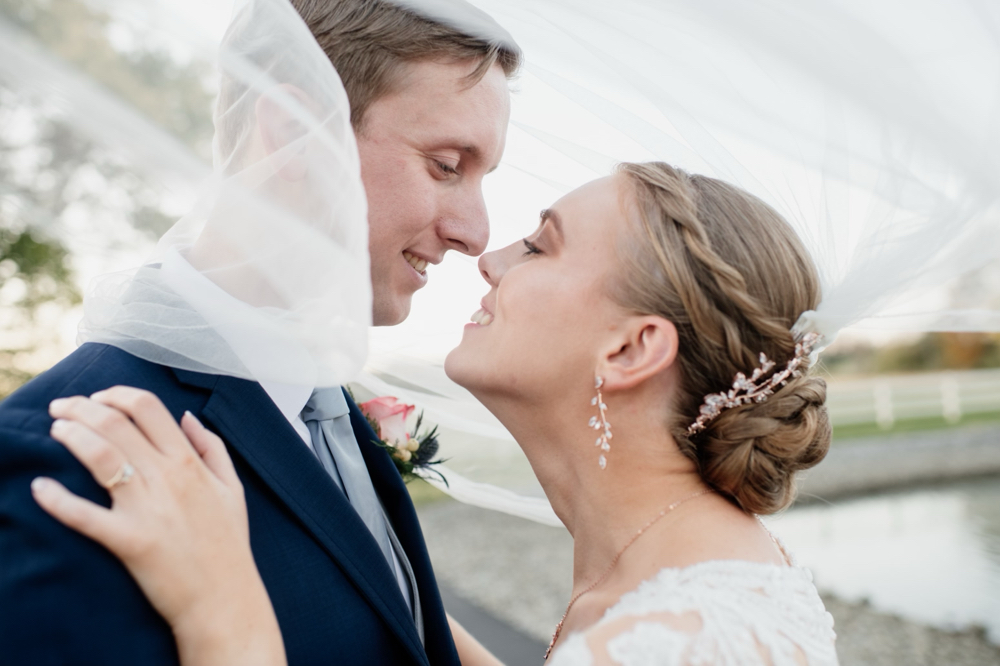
96,395
57,425
57,403
188,413
39,484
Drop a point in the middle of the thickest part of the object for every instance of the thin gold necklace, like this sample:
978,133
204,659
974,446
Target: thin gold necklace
611,567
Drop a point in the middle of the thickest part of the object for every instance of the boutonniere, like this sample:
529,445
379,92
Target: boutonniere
412,451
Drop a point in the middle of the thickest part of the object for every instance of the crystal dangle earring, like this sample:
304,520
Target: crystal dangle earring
601,423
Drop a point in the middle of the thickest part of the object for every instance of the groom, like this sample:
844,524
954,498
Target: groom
430,107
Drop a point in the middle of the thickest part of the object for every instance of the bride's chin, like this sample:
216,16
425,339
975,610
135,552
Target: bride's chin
449,365
455,368
466,369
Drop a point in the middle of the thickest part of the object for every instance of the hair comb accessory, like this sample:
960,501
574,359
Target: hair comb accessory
752,389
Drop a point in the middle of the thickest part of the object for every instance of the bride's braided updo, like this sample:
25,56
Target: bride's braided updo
733,277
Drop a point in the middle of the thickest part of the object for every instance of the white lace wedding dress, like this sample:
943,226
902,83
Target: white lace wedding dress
717,613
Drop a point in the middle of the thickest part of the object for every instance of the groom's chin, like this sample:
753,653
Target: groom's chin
391,311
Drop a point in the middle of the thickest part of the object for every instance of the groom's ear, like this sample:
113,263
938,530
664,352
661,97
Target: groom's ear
280,129
646,347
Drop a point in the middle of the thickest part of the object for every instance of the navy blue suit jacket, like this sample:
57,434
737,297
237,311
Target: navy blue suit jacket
64,599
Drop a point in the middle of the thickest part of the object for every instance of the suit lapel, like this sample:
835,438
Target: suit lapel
250,423
392,490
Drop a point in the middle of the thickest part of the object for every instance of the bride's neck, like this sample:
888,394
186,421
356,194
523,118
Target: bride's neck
601,508
604,515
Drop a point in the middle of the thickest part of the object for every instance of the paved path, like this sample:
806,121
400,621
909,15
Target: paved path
511,646
904,459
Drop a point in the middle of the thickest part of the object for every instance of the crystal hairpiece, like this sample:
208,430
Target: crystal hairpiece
747,389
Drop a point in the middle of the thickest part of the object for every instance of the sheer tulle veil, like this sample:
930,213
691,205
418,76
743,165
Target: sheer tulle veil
870,126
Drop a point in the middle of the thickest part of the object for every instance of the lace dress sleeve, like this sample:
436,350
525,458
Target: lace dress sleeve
716,614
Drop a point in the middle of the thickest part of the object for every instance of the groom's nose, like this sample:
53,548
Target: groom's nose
467,228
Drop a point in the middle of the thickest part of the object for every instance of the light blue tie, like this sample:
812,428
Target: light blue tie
328,418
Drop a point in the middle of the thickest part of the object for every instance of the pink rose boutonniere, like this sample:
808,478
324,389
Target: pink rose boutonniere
411,451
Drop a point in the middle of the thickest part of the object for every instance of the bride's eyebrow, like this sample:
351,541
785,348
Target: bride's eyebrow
548,215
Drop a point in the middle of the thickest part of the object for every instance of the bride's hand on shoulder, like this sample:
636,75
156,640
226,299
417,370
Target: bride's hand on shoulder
178,521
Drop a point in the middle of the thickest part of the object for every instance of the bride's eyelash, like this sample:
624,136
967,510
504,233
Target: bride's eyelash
531,248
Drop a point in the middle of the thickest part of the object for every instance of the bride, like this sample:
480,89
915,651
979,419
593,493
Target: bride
639,346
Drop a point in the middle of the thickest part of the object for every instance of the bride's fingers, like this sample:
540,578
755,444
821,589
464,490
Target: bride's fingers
149,415
102,459
77,513
111,425
211,449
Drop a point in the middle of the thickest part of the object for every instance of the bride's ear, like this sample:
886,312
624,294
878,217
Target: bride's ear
647,347
280,129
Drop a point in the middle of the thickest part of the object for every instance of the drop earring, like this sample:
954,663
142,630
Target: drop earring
601,423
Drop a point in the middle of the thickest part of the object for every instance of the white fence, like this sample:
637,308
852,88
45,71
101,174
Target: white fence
886,400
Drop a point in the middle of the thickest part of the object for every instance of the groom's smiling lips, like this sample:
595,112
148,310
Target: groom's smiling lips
419,263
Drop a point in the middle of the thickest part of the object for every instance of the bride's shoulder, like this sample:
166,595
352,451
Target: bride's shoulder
727,588
714,612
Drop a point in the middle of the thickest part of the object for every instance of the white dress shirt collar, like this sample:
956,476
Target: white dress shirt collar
260,353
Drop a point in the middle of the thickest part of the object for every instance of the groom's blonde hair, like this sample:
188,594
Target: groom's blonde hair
733,277
370,43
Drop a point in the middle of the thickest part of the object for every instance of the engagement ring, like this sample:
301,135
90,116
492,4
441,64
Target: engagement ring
121,477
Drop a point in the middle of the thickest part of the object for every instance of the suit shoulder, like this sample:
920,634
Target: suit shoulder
89,369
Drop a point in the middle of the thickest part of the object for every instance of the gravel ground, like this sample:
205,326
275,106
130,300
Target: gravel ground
866,637
521,572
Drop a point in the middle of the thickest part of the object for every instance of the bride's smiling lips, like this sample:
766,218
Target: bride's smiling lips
482,317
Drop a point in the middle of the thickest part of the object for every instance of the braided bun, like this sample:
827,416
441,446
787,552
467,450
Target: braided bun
752,452
733,277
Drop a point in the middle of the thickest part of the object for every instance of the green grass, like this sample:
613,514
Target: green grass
912,425
422,492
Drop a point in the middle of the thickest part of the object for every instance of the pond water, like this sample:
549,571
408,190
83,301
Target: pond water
929,554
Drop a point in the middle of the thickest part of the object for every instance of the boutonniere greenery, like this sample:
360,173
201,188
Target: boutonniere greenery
412,451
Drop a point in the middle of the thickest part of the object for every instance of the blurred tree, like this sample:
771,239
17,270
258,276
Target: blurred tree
171,94
924,354
39,265
966,351
48,168
930,352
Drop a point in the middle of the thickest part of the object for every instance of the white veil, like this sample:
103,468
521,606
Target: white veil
273,251
879,144
870,126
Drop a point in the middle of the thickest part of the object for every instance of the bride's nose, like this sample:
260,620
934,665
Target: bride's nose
493,265
489,267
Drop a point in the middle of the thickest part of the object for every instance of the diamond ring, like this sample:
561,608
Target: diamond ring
121,477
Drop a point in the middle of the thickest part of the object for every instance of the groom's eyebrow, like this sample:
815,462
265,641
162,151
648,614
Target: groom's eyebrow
474,153
477,154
